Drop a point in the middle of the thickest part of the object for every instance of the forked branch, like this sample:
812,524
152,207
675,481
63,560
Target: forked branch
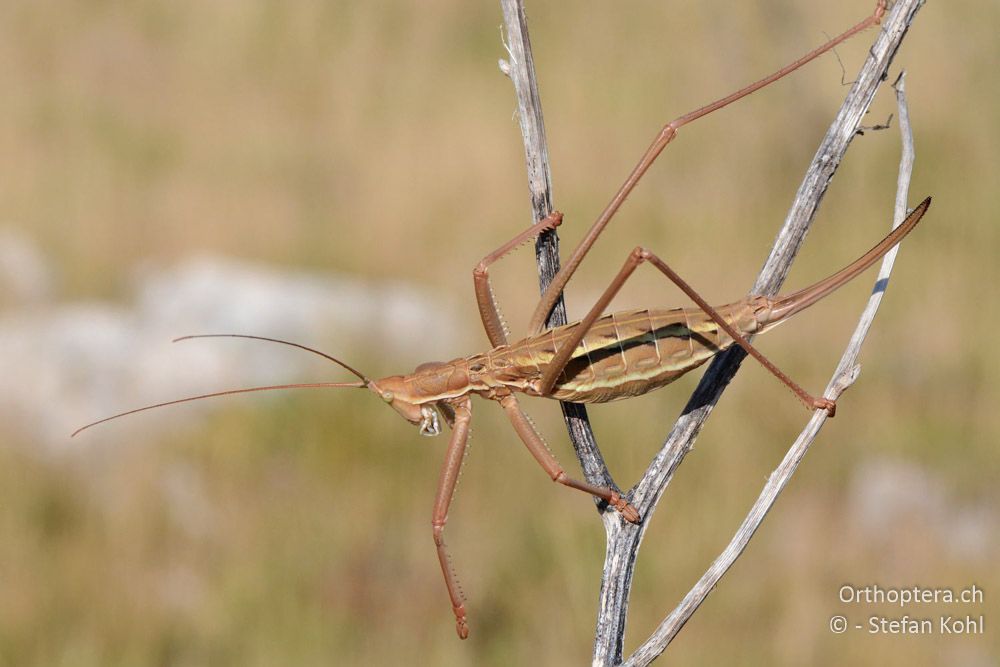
846,373
624,539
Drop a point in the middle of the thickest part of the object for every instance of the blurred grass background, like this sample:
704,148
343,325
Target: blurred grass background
377,139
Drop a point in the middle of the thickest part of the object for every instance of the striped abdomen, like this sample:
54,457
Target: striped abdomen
627,353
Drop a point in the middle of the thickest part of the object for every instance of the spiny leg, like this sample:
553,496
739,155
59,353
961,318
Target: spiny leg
488,308
446,491
807,399
664,137
635,258
526,431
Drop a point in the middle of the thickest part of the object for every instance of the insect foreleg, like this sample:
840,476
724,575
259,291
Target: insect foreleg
445,493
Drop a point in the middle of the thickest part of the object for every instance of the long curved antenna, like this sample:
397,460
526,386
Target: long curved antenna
283,342
306,385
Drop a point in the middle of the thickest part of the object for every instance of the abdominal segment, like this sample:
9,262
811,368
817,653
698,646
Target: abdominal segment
629,354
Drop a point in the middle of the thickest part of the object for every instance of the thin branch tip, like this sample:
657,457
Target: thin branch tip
623,541
894,26
844,380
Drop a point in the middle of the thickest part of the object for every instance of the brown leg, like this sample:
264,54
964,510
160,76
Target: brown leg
526,431
445,492
635,258
665,136
488,309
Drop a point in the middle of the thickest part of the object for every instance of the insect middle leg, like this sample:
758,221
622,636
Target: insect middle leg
533,441
635,258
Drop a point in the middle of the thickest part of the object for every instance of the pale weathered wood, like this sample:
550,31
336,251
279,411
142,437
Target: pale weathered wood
520,67
623,539
843,377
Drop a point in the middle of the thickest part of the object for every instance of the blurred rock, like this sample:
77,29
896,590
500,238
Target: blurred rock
887,496
25,278
67,364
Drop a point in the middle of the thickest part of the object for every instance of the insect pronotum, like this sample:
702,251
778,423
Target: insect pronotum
598,359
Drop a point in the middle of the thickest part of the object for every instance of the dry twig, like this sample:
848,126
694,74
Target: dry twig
845,375
520,67
623,539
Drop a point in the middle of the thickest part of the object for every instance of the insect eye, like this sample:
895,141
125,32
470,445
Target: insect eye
387,396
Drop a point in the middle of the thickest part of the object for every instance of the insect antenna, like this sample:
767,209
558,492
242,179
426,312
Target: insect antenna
245,390
282,342
301,385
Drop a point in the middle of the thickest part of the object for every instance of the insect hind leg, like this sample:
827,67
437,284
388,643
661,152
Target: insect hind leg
638,256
